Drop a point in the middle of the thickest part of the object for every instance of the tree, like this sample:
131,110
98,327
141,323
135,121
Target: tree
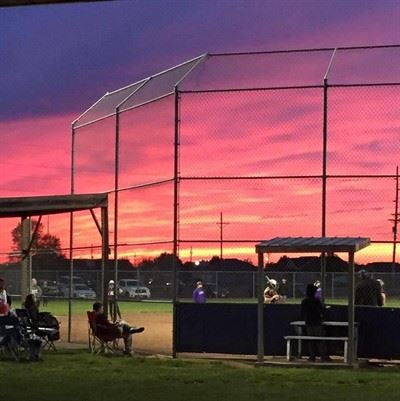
41,242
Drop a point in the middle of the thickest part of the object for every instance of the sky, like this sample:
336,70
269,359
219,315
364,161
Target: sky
58,60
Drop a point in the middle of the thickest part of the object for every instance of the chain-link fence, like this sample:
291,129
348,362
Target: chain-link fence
219,285
225,150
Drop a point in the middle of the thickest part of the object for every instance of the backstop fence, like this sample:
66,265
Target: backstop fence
211,156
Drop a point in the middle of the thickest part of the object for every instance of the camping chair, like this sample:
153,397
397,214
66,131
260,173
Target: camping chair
99,343
49,329
32,338
10,336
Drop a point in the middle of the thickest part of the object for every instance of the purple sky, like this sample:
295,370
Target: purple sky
59,59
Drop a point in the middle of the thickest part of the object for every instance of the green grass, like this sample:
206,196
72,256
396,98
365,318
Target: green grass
79,307
77,375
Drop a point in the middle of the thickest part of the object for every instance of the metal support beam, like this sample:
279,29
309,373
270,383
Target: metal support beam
260,309
324,184
116,202
176,222
105,273
96,221
71,237
352,357
25,271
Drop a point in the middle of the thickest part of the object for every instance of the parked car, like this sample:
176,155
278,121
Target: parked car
80,291
132,289
49,288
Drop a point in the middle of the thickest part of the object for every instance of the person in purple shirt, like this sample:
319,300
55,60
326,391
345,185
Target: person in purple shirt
318,292
199,294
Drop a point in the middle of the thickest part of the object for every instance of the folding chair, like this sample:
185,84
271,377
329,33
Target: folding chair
49,329
99,343
10,337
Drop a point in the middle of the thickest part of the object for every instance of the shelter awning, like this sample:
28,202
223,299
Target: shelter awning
55,204
312,244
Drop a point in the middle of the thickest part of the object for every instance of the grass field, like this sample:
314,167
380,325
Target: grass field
69,375
59,307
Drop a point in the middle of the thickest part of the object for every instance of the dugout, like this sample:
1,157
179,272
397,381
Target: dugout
250,329
27,207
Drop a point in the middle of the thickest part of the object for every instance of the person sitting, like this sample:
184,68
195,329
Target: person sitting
34,341
271,295
31,308
119,329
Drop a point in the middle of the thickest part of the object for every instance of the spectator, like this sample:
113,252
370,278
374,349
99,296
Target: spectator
4,299
368,291
32,308
312,312
36,291
283,290
112,301
119,330
199,295
382,288
271,295
34,342
318,292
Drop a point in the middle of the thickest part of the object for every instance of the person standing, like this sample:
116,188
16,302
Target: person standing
318,292
199,294
36,291
283,290
112,301
4,305
312,312
383,293
368,291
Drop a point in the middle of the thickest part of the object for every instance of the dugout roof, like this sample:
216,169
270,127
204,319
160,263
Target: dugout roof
55,204
312,244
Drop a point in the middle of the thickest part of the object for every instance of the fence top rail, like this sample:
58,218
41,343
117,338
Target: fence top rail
305,50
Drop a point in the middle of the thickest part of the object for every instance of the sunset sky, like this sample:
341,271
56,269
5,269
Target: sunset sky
58,60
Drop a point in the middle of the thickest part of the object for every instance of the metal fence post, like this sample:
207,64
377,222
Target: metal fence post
71,237
175,224
351,333
116,196
294,284
260,309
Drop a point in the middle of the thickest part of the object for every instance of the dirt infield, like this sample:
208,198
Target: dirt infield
156,339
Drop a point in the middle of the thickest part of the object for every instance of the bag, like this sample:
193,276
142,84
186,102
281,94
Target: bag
46,319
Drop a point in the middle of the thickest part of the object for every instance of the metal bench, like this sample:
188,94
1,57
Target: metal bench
312,338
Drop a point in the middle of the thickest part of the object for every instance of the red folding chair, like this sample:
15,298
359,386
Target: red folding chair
98,342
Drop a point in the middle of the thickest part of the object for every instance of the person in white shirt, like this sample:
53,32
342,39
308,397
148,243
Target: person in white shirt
4,307
36,291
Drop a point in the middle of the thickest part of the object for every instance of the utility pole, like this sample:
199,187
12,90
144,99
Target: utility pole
191,254
395,220
221,234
